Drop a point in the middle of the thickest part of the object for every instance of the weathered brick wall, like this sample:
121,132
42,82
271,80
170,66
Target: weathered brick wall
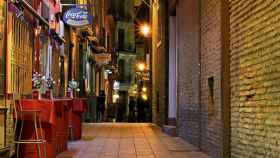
211,122
188,70
255,74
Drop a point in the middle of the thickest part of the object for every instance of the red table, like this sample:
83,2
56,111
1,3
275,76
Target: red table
62,131
54,117
79,106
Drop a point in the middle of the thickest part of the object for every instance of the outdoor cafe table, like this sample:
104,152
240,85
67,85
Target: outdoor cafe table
79,106
54,116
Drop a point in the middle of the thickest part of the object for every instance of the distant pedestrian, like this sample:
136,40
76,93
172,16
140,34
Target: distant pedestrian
140,110
101,106
131,105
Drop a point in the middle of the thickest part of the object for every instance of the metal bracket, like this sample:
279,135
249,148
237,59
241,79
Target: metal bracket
144,1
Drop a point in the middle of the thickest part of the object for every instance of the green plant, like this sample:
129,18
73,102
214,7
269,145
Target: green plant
37,80
49,83
73,85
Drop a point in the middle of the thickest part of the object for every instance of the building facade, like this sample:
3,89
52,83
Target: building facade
199,74
254,58
224,57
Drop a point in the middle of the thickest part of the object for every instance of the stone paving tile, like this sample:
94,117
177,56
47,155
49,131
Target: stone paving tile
124,140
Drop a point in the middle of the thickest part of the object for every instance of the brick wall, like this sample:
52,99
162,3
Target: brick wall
211,118
255,74
188,70
199,61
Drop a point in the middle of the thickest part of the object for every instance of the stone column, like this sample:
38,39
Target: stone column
172,105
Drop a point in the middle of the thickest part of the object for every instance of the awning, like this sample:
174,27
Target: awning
98,49
39,17
34,13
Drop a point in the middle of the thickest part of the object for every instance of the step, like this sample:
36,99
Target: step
170,130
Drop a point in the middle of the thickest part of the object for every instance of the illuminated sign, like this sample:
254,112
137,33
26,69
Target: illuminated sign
103,58
77,17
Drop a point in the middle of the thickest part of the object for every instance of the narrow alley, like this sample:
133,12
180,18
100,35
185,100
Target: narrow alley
139,79
124,140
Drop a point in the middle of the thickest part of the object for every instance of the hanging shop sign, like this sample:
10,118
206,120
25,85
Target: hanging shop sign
102,58
77,17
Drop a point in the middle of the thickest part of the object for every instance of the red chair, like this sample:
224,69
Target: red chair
34,115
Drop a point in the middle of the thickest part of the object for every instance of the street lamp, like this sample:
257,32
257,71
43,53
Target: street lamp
141,66
145,29
144,97
144,89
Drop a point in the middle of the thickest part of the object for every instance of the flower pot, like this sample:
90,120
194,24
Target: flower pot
69,94
36,94
49,94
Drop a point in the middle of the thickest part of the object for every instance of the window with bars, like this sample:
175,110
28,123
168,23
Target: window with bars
2,47
21,48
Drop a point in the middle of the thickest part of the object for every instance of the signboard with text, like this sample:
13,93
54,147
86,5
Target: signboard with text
103,58
77,17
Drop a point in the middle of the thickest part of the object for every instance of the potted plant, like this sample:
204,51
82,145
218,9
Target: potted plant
37,82
49,84
72,86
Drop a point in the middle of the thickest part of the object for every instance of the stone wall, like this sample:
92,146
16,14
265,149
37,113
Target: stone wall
255,78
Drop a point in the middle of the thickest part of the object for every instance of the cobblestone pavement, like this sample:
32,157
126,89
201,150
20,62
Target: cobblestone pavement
124,140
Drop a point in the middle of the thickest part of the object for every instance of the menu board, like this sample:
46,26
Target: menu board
2,45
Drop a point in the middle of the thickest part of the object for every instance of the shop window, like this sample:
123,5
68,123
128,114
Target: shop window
211,99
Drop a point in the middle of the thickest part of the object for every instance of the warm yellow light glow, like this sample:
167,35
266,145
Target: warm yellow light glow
141,66
145,29
115,98
37,31
144,89
134,92
144,97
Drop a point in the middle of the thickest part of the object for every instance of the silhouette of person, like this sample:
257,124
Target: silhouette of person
131,105
101,106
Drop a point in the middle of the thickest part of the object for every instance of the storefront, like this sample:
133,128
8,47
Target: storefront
4,143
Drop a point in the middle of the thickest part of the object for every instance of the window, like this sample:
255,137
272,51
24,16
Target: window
121,35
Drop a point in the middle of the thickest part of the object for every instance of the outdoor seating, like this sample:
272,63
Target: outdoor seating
21,115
